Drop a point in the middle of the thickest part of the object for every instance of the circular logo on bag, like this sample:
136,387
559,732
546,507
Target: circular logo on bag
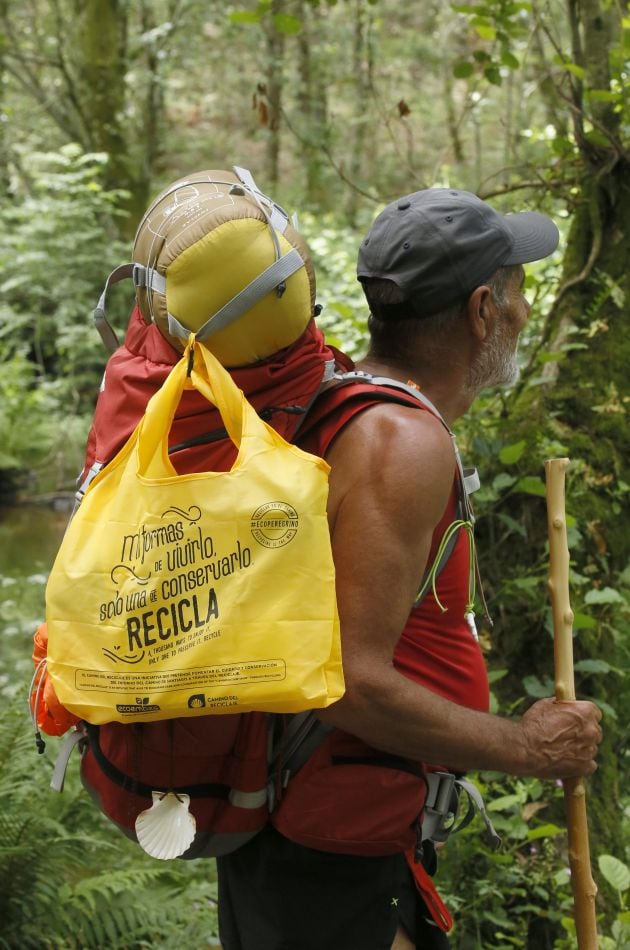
274,524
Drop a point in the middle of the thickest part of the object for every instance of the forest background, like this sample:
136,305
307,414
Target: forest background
336,108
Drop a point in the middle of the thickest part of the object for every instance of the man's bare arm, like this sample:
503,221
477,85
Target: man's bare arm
392,470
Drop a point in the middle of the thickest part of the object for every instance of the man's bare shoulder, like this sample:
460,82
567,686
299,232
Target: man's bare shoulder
401,451
394,435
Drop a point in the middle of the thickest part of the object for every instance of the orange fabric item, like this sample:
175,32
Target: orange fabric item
435,905
52,718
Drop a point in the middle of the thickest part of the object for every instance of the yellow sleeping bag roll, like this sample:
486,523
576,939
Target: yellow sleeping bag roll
200,251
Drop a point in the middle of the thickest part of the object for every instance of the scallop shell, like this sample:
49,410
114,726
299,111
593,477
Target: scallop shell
166,829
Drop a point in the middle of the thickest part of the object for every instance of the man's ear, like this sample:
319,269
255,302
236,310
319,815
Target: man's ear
480,311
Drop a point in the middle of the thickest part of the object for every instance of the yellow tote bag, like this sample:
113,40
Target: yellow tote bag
184,595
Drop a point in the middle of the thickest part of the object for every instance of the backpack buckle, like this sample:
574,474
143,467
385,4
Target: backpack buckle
440,809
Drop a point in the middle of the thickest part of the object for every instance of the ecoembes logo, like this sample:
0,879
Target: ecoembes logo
274,524
141,705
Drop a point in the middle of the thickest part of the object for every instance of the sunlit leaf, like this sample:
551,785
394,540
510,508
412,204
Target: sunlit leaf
526,583
561,877
503,480
285,23
533,687
509,59
531,485
512,524
615,871
245,16
606,709
602,95
544,831
605,595
503,803
512,453
583,622
495,675
574,69
592,666
485,31
598,138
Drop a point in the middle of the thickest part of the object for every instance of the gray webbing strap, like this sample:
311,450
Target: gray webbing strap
248,800
142,277
302,736
270,278
277,215
61,764
441,807
358,376
149,277
107,334
471,480
476,803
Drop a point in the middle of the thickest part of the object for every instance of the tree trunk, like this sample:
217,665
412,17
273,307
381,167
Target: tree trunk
313,108
4,158
582,407
274,89
101,68
362,70
153,114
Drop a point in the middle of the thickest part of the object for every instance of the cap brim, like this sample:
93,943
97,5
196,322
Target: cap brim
535,237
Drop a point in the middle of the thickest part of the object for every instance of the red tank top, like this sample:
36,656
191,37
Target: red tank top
436,648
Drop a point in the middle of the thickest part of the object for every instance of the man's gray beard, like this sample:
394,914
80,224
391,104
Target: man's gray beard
496,366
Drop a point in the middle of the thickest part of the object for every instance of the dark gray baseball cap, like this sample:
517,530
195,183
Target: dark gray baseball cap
441,243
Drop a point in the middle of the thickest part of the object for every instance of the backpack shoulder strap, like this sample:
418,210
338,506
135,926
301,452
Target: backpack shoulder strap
388,383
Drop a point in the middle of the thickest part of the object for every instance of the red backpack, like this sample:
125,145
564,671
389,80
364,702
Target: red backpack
214,256
233,767
221,762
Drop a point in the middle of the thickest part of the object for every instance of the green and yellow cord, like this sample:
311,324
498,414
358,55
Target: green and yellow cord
432,577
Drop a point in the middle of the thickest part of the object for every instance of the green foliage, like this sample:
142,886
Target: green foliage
33,411
617,875
57,242
333,248
282,22
497,25
512,541
68,879
518,896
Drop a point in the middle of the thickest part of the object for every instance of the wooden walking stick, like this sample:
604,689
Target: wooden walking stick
582,883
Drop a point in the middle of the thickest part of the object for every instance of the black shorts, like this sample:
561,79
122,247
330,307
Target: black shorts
277,895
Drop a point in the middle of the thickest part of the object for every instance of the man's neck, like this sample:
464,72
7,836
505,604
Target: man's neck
446,392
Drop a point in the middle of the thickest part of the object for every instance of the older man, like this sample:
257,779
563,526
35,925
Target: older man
443,276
